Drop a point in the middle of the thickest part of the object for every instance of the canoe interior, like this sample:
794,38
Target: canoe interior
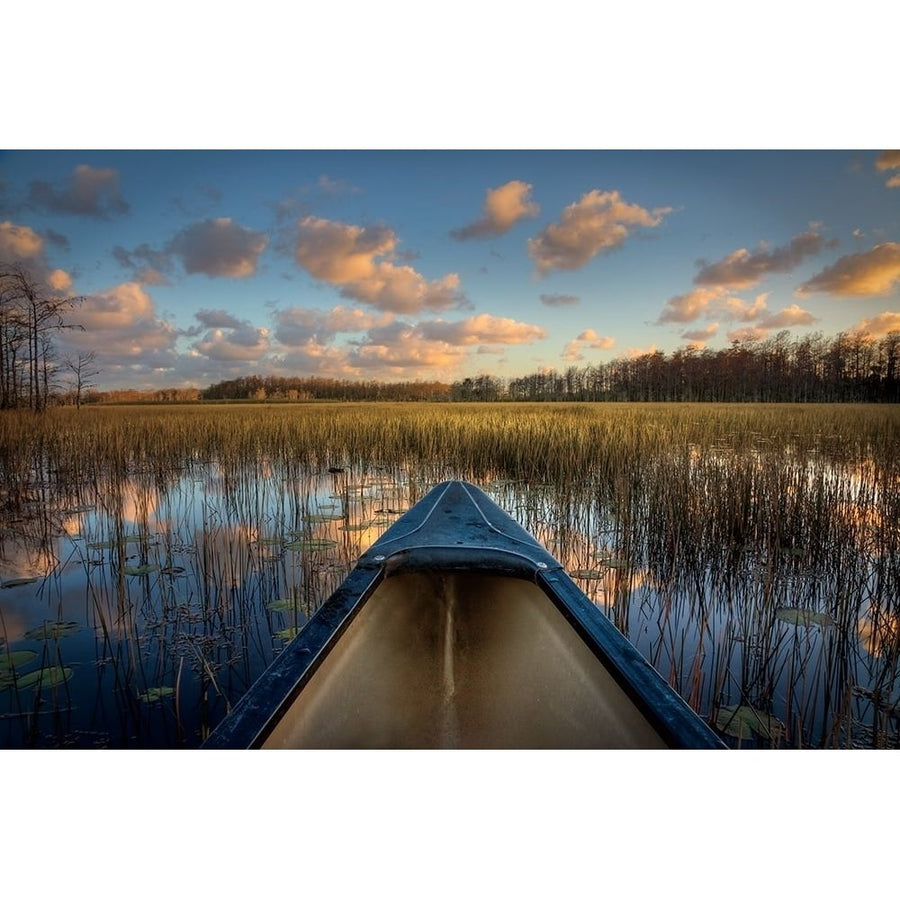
461,660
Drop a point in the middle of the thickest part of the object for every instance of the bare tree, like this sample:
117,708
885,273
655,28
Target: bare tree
29,314
83,370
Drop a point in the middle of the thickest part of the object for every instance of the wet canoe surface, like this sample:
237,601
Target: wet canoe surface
458,630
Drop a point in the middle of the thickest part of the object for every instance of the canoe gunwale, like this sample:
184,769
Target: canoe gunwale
457,528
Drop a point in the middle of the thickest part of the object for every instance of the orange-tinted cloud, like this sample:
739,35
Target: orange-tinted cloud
869,274
503,208
893,181
690,306
598,222
888,159
219,248
87,192
122,326
744,335
359,260
743,269
588,339
701,335
19,242
883,323
481,329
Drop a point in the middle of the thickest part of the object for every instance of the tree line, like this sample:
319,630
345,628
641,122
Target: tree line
257,387
850,367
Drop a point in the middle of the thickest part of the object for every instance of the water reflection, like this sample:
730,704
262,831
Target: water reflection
164,597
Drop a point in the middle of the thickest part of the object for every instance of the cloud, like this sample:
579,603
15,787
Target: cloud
503,208
883,323
893,181
19,242
869,274
297,326
359,260
588,339
244,343
743,269
690,306
735,308
559,300
122,326
701,334
23,245
219,248
217,318
888,159
87,192
637,352
230,339
596,223
147,266
59,280
744,335
787,318
481,329
400,349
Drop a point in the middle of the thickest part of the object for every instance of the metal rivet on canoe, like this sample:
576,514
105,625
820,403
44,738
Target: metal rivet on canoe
542,565
379,559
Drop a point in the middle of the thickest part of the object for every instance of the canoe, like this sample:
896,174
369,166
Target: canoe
457,629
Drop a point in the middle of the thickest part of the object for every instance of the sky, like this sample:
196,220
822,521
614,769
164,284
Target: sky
199,266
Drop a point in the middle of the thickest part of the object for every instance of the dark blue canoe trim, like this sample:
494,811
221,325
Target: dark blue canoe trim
457,527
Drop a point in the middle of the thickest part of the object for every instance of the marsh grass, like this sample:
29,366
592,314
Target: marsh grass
749,551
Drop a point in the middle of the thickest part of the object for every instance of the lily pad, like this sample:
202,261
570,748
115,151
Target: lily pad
51,630
311,544
17,582
51,676
287,634
172,570
362,526
286,604
315,518
588,574
803,617
741,721
16,658
153,694
140,570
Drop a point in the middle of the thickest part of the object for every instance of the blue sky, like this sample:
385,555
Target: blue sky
201,265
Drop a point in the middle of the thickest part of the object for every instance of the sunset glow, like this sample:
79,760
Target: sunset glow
200,266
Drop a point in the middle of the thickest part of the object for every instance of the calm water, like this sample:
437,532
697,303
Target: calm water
138,614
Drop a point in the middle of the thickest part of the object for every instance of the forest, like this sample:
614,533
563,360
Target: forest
850,367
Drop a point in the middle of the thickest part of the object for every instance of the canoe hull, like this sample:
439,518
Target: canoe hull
458,630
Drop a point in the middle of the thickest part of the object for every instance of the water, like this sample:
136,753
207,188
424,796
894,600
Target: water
134,614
